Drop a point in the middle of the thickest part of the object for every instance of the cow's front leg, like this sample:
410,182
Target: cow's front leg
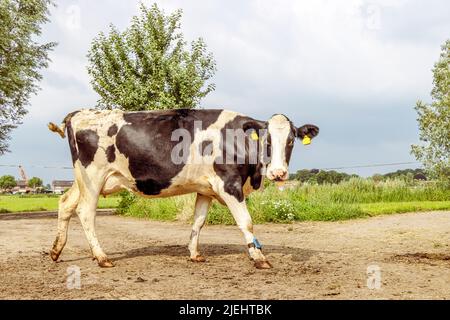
202,204
244,221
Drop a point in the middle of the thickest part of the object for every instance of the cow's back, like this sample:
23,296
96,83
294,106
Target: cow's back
139,145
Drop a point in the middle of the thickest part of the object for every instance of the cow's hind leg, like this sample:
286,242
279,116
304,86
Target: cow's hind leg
67,205
86,211
202,204
244,221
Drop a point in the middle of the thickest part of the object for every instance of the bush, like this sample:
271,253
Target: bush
219,214
126,200
158,209
173,208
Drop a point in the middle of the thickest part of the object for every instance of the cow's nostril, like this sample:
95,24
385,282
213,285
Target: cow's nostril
278,175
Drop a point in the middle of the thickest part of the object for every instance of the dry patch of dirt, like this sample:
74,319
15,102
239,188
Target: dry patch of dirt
312,260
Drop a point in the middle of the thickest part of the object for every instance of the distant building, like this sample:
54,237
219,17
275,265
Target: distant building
59,186
21,187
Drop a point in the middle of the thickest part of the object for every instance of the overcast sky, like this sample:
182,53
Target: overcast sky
354,68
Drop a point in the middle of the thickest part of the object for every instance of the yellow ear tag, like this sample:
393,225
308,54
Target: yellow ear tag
254,136
306,140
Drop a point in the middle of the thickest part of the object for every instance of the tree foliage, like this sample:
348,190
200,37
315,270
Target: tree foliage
21,58
434,121
322,176
7,182
335,177
35,182
148,66
405,174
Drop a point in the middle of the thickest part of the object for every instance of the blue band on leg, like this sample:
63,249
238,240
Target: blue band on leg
256,243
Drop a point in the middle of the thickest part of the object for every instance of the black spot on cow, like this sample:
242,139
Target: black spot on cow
151,186
146,141
69,117
256,176
112,130
71,136
87,142
72,142
111,153
234,175
289,143
206,148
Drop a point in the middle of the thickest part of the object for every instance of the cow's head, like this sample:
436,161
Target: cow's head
280,141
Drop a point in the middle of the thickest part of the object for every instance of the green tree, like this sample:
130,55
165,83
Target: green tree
35,182
322,176
7,182
332,177
21,58
148,66
303,175
403,174
434,121
377,177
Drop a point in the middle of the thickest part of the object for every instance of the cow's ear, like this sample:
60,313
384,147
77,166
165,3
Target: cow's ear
255,125
309,130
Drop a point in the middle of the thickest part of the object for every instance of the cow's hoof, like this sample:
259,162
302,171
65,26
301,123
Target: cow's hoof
262,264
54,255
198,258
105,263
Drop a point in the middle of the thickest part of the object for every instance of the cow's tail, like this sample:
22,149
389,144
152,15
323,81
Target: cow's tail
58,129
62,128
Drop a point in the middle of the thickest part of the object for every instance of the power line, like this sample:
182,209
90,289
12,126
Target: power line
35,166
372,165
334,168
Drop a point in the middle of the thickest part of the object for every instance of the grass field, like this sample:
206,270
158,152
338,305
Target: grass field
26,203
373,209
355,198
181,208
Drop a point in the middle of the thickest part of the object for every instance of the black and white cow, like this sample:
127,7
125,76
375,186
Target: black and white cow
173,152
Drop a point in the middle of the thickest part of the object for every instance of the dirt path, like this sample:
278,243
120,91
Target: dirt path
311,260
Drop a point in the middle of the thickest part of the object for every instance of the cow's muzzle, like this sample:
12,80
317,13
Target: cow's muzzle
277,175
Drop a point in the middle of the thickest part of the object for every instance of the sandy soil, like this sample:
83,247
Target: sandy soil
311,260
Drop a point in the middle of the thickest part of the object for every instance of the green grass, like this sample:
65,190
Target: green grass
330,211
157,209
356,198
26,203
373,209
